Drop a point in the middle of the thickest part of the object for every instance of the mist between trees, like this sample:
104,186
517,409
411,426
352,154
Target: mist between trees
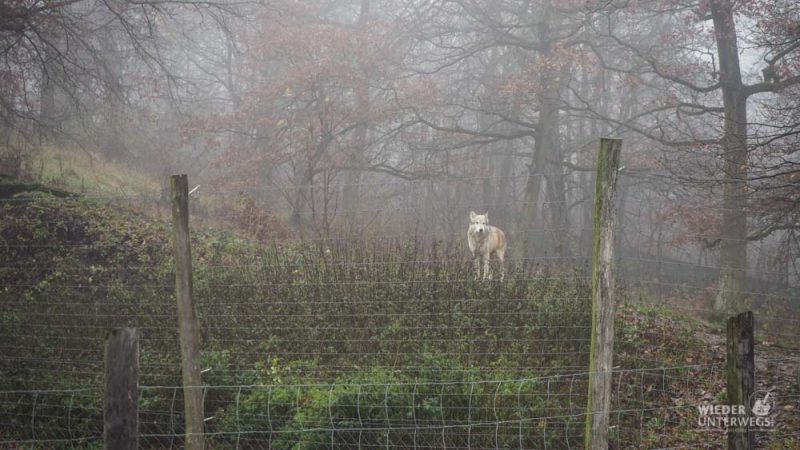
329,118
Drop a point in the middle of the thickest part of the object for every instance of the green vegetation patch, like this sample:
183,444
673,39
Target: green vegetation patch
310,345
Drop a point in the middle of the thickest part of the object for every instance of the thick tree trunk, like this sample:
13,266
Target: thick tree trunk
594,130
733,250
530,217
556,185
547,156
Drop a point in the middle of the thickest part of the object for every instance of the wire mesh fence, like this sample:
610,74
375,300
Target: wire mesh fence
361,340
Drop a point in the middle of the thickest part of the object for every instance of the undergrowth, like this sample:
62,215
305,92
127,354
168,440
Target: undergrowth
327,335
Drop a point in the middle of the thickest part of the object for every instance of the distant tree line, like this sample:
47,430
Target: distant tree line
385,117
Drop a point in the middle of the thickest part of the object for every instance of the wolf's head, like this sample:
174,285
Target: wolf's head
478,222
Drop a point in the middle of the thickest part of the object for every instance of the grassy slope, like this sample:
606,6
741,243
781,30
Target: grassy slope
74,268
86,173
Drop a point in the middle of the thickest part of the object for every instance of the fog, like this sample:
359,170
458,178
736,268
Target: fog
336,120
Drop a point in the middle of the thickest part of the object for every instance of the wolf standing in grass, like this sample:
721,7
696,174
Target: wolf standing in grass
484,241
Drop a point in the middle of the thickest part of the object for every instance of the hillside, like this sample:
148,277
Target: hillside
387,343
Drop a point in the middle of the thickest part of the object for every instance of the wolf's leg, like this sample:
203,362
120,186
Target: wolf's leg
476,262
501,258
487,267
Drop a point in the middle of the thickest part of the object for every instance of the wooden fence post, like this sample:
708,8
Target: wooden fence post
188,325
740,370
602,337
121,403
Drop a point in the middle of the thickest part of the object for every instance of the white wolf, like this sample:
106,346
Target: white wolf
484,241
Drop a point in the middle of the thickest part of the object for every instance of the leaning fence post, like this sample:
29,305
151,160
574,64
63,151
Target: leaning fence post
740,370
121,403
188,326
602,334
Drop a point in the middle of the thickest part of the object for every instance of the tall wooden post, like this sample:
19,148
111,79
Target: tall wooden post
600,358
188,326
740,370
121,404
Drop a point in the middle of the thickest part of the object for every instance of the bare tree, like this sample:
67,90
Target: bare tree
705,106
65,59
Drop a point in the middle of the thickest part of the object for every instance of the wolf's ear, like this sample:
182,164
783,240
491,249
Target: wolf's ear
486,216
472,215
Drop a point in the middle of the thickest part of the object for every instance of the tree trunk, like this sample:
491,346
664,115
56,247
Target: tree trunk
733,250
596,128
546,148
530,211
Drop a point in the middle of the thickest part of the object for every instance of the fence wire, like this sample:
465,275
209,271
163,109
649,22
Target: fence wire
355,341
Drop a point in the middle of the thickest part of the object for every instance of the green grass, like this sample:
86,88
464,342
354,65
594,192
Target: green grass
321,332
84,172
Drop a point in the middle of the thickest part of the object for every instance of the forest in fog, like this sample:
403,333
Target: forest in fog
327,119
